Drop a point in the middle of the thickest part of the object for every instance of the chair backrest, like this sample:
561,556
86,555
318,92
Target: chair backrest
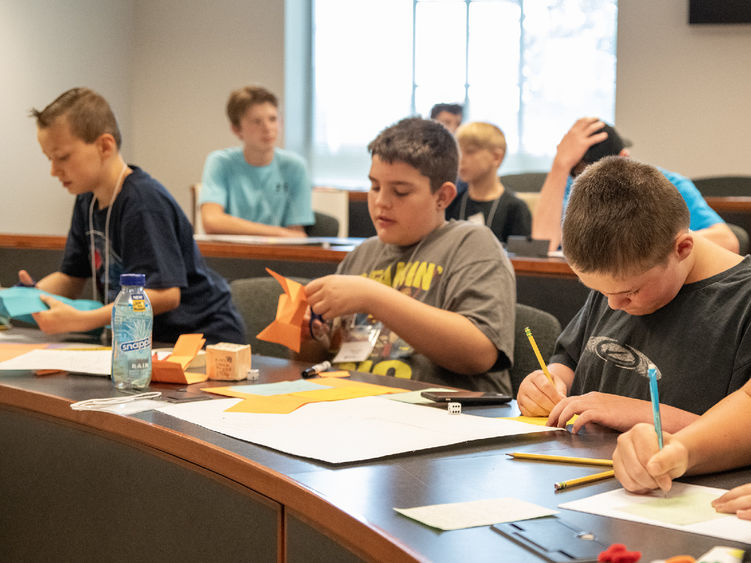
325,226
256,299
724,186
524,182
545,329
195,210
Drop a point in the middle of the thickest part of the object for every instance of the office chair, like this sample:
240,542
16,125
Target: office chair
545,329
256,300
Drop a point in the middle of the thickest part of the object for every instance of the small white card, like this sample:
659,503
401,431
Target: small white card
485,512
355,351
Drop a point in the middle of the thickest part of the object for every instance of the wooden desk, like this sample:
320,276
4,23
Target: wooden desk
93,486
545,283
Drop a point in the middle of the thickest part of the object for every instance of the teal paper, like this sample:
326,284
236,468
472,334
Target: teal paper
280,388
20,302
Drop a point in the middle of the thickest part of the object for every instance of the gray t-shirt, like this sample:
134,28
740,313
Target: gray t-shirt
700,343
459,267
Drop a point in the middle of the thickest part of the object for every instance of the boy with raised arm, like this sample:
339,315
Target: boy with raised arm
436,298
482,147
660,294
255,189
589,140
124,221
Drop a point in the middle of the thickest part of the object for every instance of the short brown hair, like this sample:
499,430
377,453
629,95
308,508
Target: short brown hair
241,99
424,144
89,115
622,218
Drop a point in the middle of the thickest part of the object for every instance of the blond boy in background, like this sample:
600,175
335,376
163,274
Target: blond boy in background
486,201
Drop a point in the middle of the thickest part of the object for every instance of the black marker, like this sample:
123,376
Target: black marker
316,369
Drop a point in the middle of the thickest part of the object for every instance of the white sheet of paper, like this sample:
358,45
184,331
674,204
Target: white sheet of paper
621,504
485,512
349,430
94,362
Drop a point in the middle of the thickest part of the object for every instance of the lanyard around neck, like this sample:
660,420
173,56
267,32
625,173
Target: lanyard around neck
493,209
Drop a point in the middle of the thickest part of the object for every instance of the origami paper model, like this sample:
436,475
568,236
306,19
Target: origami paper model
286,329
174,368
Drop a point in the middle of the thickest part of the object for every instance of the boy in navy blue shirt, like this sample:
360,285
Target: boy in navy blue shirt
124,221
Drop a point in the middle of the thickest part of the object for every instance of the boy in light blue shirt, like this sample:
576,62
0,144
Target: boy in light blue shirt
256,189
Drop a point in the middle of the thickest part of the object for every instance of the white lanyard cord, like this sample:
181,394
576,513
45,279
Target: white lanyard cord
105,297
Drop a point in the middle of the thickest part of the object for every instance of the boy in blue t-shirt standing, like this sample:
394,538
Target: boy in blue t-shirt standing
256,189
124,221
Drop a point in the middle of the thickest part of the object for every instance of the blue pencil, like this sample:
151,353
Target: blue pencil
652,370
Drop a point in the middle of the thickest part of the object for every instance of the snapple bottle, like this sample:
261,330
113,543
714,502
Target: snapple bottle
132,321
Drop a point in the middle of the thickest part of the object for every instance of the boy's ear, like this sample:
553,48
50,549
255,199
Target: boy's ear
107,145
498,156
684,244
236,130
446,194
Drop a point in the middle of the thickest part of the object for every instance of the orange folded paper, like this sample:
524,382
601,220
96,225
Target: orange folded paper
172,368
286,329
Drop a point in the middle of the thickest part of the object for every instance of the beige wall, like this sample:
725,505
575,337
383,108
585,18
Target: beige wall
683,91
187,58
167,67
47,47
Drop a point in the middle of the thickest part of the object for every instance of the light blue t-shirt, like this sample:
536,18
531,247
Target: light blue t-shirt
702,216
278,194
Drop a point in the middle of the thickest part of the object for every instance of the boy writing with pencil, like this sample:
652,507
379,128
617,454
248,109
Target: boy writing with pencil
124,221
717,441
661,294
435,298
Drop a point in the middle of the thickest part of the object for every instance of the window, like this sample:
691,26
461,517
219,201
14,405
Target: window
531,67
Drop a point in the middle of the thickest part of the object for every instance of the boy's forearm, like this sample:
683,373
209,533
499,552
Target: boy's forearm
720,439
164,300
223,223
58,283
449,339
546,220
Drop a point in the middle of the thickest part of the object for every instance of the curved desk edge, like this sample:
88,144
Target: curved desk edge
347,529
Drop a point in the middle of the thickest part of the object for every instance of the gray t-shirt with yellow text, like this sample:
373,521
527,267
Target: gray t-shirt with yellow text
459,267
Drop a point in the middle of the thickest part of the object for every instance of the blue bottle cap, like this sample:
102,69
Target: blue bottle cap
133,279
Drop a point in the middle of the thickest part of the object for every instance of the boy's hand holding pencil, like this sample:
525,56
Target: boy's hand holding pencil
541,390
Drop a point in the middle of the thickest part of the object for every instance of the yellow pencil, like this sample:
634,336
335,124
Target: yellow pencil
582,480
562,458
537,353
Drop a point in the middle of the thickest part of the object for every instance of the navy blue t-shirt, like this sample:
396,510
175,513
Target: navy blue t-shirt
149,234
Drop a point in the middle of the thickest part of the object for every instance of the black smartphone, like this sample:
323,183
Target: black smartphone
467,397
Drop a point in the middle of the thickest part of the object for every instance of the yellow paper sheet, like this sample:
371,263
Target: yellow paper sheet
285,403
538,420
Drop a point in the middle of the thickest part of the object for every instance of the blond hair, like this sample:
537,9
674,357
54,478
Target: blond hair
481,135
